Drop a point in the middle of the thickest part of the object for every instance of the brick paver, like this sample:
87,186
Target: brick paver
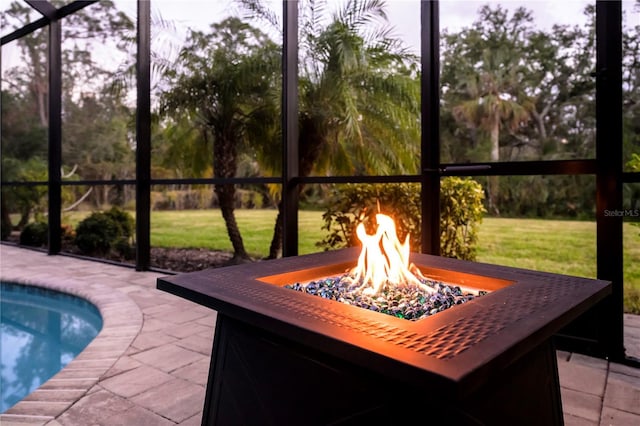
149,364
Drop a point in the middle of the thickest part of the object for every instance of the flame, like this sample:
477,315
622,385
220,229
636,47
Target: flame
384,259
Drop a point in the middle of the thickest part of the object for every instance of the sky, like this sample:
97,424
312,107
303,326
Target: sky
404,15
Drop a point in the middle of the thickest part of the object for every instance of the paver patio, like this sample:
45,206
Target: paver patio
149,364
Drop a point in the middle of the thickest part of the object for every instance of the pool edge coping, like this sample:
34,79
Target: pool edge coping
122,321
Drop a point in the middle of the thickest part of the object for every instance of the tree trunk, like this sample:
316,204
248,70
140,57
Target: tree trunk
40,84
310,140
7,227
495,140
275,249
226,195
493,184
25,213
542,129
224,166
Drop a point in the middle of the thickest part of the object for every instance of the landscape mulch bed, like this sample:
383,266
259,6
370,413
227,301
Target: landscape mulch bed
168,259
188,260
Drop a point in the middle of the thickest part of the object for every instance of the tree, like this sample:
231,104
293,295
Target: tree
95,24
98,138
226,79
180,149
492,105
24,128
359,93
631,91
513,92
489,86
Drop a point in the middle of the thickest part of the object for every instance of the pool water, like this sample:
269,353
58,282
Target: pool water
42,331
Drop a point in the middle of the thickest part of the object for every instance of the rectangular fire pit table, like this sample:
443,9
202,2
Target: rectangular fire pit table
282,357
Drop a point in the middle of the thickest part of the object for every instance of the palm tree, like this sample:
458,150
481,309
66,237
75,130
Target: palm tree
491,104
226,78
359,93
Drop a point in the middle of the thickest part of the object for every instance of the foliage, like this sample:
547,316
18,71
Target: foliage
102,232
545,75
350,204
524,243
68,234
23,136
35,234
631,91
96,234
194,197
461,212
557,196
631,191
359,95
632,301
513,91
224,79
633,165
98,140
125,223
97,137
27,201
181,148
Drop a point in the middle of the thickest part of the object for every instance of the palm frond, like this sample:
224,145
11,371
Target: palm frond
255,9
359,14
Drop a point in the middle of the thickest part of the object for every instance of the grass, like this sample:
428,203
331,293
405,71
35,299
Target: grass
206,228
565,247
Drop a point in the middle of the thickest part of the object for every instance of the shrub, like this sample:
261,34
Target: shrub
632,301
123,220
35,234
68,234
100,233
460,202
96,233
124,248
461,211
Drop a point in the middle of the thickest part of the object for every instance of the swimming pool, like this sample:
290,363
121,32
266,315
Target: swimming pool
42,330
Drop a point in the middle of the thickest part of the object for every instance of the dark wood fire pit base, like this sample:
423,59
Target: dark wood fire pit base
282,357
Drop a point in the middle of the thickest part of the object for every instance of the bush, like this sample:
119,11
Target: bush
68,234
96,233
460,203
461,211
632,301
35,234
123,220
102,233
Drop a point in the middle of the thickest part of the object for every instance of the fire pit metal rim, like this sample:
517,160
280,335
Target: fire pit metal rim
452,344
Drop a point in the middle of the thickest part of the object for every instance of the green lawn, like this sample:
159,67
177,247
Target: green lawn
205,228
567,247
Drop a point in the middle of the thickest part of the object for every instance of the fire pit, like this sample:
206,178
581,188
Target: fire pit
285,357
